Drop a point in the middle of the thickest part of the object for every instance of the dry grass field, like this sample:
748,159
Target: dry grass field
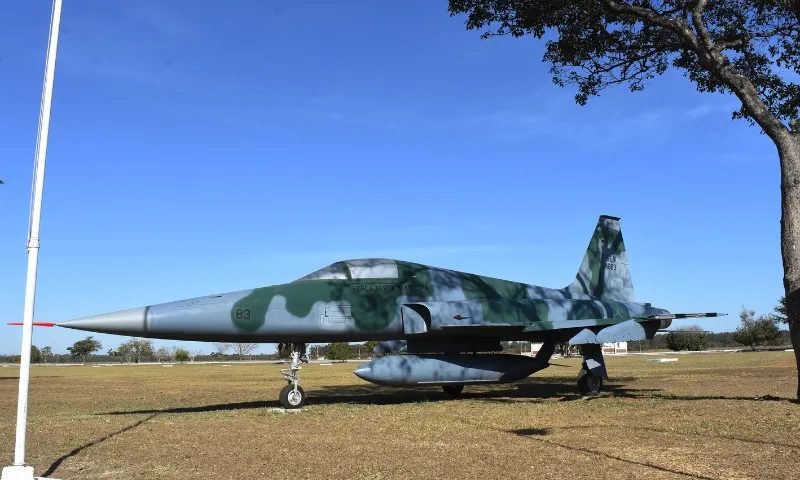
720,416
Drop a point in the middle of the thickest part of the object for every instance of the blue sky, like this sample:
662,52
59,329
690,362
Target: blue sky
237,144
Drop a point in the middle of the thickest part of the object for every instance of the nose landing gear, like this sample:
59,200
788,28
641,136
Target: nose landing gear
292,395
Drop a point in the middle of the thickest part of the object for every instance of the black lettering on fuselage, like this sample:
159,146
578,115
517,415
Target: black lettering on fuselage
399,288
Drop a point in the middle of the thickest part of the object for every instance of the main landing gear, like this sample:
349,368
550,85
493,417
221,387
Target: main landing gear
593,370
292,395
454,390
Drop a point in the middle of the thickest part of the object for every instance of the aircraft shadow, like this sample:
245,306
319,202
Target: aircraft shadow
549,389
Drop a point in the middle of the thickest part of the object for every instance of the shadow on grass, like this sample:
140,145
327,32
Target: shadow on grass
538,434
200,409
677,433
549,389
78,450
33,377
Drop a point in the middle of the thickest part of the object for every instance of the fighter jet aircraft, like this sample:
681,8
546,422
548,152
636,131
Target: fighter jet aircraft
438,326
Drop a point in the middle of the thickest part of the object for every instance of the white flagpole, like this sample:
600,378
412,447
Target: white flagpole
33,235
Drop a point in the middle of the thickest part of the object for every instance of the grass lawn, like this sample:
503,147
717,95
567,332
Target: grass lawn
720,416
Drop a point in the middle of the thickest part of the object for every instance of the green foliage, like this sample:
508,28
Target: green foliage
181,355
46,353
368,347
595,44
756,331
162,353
687,338
779,312
284,350
83,348
36,355
512,347
340,351
135,349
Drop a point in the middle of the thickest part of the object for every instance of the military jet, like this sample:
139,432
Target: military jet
438,326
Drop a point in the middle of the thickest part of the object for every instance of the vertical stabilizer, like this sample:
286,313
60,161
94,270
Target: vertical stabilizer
604,272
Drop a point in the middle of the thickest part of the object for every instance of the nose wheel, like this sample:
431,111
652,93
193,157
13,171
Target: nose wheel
292,395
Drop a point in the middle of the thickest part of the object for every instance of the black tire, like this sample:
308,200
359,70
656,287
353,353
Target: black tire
289,399
453,390
589,384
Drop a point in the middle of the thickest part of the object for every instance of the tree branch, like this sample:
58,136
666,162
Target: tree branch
794,6
711,58
700,26
651,16
743,88
733,43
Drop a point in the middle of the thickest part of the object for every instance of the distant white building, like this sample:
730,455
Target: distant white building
608,348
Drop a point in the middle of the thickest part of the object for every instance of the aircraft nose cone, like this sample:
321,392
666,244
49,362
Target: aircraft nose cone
364,372
127,322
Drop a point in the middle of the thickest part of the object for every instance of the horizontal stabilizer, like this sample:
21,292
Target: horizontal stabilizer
620,332
672,316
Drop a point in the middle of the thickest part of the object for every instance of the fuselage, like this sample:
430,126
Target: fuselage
369,299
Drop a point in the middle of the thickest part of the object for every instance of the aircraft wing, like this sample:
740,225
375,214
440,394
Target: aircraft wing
570,324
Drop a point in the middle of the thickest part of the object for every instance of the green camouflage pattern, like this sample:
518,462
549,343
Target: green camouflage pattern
387,299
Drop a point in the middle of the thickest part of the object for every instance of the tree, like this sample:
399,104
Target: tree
285,350
162,354
563,349
779,312
687,338
181,355
756,331
748,49
36,354
222,347
135,348
83,348
243,349
125,351
194,354
46,352
368,347
340,351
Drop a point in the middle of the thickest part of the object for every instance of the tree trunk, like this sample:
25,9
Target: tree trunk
789,151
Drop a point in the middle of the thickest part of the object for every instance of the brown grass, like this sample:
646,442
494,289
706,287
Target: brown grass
721,416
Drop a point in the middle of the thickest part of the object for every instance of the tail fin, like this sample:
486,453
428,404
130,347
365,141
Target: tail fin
604,272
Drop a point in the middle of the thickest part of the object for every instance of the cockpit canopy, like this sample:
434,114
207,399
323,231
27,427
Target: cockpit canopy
356,269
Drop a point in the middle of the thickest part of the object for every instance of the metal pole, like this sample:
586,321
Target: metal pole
33,234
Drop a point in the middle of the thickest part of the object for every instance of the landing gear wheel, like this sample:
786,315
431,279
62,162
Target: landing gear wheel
588,383
453,390
292,395
292,399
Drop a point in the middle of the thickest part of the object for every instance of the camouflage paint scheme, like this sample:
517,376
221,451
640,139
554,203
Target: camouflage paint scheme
384,299
443,323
